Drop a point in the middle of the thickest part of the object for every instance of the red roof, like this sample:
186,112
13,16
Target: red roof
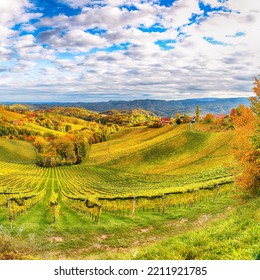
166,119
220,116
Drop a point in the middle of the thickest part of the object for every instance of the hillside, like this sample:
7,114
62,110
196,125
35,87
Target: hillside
21,121
147,193
16,151
170,108
60,139
168,150
119,117
161,108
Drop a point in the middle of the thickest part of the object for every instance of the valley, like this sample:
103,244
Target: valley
181,181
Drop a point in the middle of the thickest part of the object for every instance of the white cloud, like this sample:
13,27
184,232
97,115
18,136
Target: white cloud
213,3
244,6
58,60
80,3
179,13
13,10
28,27
5,35
77,40
26,41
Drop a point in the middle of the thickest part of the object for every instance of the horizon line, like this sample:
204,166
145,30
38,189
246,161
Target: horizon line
118,100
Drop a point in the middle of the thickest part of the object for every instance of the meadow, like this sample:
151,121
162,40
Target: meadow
164,193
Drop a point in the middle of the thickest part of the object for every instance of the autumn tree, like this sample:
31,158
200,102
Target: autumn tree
247,143
255,106
186,118
40,144
209,118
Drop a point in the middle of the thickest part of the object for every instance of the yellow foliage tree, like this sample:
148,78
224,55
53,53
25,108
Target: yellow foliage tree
247,142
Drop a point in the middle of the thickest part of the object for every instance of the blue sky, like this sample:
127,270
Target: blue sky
99,50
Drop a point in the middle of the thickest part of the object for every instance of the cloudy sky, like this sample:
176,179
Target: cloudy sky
91,50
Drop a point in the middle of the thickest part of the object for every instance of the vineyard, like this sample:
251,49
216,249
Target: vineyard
98,185
88,189
139,188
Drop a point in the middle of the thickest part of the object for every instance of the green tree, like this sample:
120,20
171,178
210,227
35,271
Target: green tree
255,106
178,118
68,127
255,101
197,114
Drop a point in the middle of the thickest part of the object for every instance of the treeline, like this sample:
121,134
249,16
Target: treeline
223,121
72,148
50,120
17,133
57,118
63,150
54,149
135,117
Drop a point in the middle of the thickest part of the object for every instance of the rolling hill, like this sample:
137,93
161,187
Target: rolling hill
160,190
17,151
168,150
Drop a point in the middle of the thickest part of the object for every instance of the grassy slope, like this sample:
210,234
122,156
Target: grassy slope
234,234
11,116
41,129
166,150
226,228
16,151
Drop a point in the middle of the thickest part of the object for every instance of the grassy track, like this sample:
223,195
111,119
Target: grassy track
234,234
216,230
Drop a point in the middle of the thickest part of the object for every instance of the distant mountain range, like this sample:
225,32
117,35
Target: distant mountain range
161,108
166,108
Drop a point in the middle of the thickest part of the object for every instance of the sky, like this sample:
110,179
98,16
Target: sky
100,50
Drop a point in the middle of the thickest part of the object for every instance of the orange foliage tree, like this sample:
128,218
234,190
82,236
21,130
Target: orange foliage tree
247,142
209,118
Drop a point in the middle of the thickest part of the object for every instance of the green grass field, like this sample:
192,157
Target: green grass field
16,151
208,219
167,150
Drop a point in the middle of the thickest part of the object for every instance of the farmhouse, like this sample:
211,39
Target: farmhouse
166,121
193,119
